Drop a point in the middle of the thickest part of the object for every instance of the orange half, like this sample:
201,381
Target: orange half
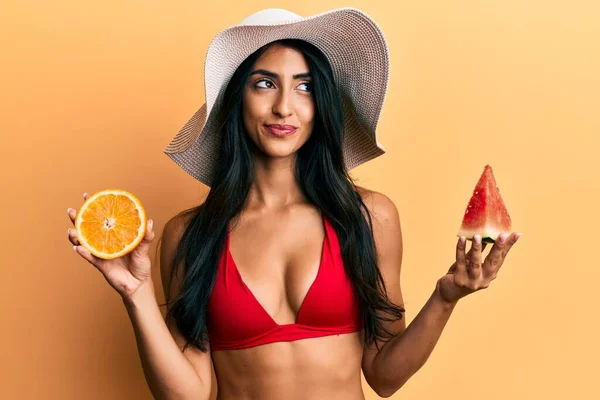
111,223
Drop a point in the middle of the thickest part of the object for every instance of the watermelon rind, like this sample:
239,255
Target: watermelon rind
485,239
489,235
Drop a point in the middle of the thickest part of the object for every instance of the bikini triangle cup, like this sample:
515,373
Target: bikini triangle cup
251,294
237,320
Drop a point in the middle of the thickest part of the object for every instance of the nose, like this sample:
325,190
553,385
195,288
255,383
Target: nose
282,106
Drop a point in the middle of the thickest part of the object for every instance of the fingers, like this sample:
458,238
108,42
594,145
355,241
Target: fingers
149,235
72,233
470,272
73,236
86,255
460,254
73,213
143,248
460,266
474,258
497,255
149,231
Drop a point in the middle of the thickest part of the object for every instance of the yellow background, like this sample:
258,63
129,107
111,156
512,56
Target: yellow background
91,93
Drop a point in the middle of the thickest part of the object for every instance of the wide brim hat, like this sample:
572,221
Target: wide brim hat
354,46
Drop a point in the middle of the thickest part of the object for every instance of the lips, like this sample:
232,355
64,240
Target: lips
281,130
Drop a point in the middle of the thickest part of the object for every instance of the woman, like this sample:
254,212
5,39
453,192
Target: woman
287,278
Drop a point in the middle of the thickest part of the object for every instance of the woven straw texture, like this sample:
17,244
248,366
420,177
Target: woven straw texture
351,41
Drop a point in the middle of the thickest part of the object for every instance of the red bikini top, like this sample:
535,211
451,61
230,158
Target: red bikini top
236,320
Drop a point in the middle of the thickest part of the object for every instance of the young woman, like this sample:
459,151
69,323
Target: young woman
286,279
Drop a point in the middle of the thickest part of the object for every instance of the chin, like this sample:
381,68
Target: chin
279,151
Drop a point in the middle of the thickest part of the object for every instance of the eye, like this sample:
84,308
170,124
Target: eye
307,86
267,84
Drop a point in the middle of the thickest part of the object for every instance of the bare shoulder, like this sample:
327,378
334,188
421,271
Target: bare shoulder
171,236
178,223
387,232
380,206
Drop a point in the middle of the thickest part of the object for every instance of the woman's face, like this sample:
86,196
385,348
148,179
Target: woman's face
278,105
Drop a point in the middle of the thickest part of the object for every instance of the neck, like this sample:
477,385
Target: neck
274,185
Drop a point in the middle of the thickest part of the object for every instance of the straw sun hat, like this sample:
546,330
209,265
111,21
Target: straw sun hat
355,48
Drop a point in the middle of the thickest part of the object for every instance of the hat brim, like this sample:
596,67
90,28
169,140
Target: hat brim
357,52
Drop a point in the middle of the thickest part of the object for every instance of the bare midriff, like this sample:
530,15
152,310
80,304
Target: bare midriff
319,368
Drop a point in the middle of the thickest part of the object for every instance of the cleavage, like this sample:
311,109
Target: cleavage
278,264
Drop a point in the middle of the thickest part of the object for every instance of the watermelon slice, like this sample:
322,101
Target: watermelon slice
486,213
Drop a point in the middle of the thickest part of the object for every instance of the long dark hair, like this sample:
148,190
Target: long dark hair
323,178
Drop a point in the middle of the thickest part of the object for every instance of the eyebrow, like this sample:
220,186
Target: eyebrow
276,76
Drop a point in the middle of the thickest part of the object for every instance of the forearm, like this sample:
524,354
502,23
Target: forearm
168,372
402,356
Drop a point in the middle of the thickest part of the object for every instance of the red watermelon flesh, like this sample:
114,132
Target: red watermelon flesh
486,213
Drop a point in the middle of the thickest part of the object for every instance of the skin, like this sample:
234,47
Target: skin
280,228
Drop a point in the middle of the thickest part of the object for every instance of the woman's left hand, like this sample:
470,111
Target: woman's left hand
469,274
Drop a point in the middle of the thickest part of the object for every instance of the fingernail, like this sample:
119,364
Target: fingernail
477,239
75,248
69,231
150,224
517,236
501,238
462,240
68,210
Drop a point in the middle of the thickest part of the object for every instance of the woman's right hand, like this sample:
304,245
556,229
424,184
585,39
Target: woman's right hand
125,274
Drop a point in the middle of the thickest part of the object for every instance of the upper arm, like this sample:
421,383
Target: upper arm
388,243
171,236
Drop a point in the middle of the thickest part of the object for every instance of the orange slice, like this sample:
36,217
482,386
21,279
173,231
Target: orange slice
111,223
